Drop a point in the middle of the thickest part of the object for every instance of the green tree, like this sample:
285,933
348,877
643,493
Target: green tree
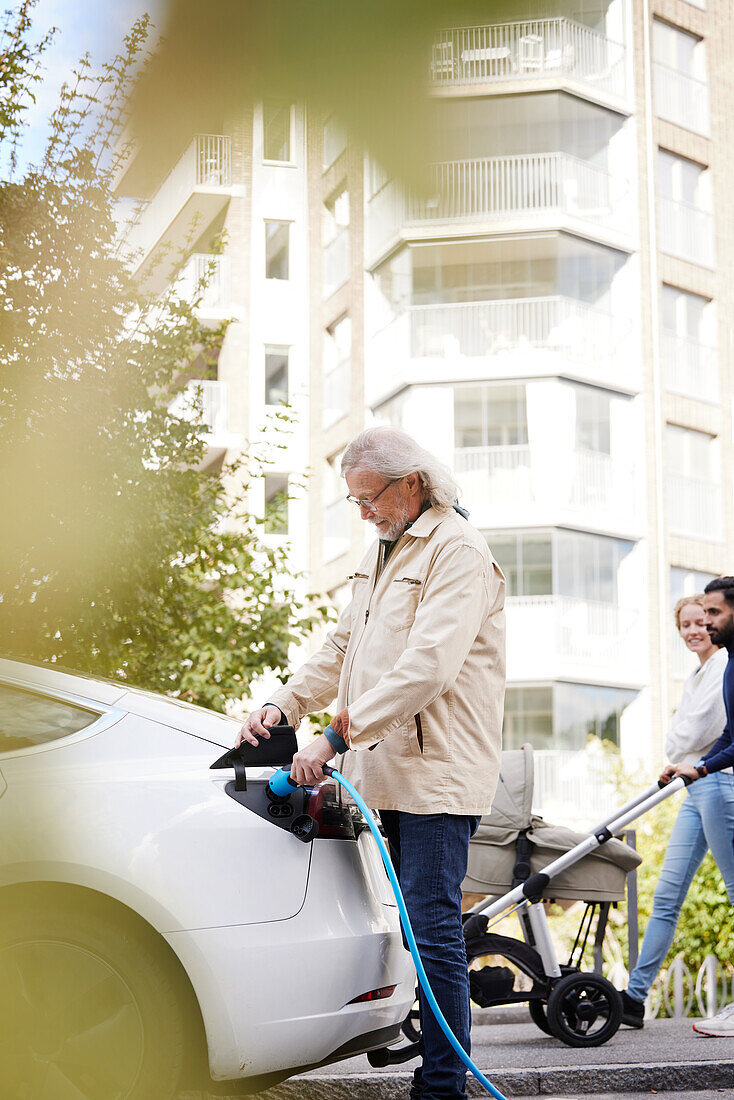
119,555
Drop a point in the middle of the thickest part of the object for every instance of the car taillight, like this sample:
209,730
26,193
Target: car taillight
374,995
334,818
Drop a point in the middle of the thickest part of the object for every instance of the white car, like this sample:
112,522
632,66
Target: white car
150,913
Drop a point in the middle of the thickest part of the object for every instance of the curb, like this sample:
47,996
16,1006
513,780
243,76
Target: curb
660,1077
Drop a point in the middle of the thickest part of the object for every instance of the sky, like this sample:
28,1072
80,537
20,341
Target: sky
96,26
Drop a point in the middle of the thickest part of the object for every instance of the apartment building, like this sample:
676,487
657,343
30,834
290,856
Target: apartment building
550,312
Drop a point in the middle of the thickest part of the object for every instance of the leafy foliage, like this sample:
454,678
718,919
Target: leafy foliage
119,554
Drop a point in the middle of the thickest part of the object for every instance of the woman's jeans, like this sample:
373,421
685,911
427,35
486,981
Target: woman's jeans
705,821
430,853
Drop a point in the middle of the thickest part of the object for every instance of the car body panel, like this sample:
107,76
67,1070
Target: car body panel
139,804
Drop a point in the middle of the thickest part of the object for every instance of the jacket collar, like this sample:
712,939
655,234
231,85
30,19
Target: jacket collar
426,523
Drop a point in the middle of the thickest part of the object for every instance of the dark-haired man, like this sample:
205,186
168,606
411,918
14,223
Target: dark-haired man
719,618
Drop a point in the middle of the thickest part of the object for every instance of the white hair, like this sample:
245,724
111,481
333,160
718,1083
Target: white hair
393,454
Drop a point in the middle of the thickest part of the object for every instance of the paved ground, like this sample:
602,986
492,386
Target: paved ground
666,1057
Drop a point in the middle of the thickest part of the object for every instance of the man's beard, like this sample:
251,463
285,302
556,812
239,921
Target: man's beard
397,527
724,636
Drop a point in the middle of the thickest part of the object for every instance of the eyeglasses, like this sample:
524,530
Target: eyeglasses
370,504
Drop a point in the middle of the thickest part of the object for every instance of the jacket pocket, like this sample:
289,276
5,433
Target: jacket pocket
399,603
419,730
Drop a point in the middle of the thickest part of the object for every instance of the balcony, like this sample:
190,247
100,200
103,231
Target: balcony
516,193
502,484
681,99
686,231
511,337
191,196
207,401
556,636
207,278
694,508
691,368
546,51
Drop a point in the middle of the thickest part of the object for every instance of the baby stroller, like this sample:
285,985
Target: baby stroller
522,861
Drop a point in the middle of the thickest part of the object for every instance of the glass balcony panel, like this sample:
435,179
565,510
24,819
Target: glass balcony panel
336,529
537,49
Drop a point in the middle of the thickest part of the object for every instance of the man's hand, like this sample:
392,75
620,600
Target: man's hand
307,766
258,722
667,774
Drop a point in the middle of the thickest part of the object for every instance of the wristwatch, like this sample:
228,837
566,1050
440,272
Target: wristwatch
702,770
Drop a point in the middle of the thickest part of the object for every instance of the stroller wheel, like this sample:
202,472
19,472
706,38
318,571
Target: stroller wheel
537,1010
584,1010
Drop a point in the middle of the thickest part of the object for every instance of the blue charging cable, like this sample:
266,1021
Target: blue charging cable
281,784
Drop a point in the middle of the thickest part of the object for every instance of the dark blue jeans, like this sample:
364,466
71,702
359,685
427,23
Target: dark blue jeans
430,853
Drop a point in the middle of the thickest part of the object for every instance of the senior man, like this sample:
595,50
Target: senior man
417,665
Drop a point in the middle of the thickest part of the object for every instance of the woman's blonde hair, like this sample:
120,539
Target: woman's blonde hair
697,597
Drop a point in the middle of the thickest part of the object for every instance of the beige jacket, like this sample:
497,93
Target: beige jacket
418,658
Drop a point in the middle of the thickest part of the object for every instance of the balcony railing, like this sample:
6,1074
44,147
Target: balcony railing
694,507
537,49
691,368
206,166
206,399
686,231
500,188
571,328
570,628
206,277
681,99
591,481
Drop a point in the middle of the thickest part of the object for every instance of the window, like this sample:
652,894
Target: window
685,225
584,710
563,716
592,420
276,376
277,118
587,566
686,582
490,416
338,510
336,242
335,141
526,559
276,504
680,88
28,719
277,236
689,344
561,563
528,717
688,453
337,371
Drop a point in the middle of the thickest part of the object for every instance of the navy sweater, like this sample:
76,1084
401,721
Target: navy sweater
721,755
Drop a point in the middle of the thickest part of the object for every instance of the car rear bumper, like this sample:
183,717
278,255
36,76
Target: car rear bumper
274,996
